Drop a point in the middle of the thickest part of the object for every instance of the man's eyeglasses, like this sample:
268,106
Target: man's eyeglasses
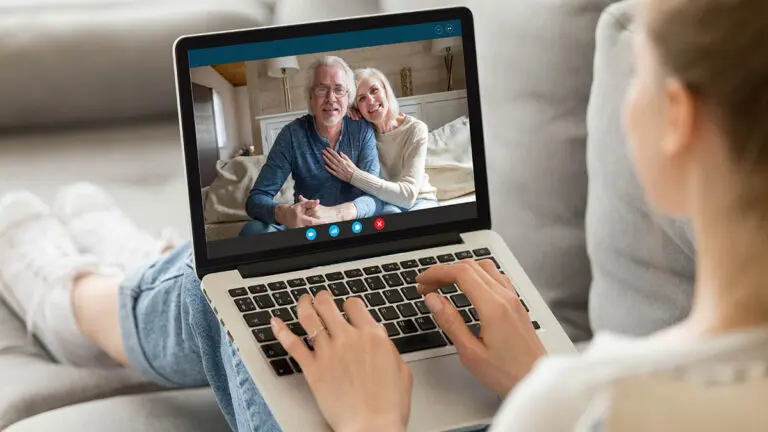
322,91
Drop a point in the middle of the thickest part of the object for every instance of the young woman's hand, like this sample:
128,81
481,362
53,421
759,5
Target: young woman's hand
339,165
355,372
507,346
354,113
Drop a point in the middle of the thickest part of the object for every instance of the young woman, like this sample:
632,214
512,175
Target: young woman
699,140
402,144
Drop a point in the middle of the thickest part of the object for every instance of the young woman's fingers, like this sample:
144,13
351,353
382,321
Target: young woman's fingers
310,320
293,344
452,323
330,314
464,276
484,274
358,314
490,268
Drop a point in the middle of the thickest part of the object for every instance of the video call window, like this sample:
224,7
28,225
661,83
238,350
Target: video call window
354,136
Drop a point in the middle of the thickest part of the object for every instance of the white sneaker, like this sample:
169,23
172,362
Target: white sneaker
38,265
99,227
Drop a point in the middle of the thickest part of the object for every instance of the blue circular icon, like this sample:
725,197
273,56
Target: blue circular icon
439,29
357,227
333,230
449,28
311,234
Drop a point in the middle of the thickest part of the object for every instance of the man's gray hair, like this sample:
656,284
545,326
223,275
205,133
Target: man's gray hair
330,61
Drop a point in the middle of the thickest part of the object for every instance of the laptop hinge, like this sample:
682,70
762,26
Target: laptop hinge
285,265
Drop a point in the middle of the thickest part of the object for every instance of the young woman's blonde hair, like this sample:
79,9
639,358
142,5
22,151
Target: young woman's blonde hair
377,75
717,49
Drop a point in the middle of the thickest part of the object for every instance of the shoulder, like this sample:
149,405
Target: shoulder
358,127
415,131
415,125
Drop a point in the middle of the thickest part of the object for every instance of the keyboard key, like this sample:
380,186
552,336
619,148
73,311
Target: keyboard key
257,319
409,276
354,273
422,307
496,263
335,276
465,316
282,313
357,286
273,350
277,286
460,300
450,289
536,325
316,279
481,252
372,270
339,303
375,299
525,305
264,334
281,367
393,296
296,314
388,313
423,269
295,283
446,258
410,292
407,310
307,344
338,289
282,298
427,261
375,315
463,255
297,293
375,283
475,329
245,304
295,364
315,289
393,280
425,323
390,267
410,264
419,342
473,312
297,329
392,330
257,289
238,292
407,326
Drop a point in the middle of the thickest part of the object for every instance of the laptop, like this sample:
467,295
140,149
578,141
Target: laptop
252,85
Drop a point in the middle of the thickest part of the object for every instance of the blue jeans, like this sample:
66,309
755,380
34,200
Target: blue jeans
172,337
255,227
420,204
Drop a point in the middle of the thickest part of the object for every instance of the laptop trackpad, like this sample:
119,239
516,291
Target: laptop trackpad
447,396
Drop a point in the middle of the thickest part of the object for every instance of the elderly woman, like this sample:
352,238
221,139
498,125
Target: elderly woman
402,144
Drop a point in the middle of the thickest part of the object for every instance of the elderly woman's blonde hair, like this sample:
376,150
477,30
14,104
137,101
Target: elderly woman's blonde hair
377,75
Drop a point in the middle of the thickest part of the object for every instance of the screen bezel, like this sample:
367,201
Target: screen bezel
203,263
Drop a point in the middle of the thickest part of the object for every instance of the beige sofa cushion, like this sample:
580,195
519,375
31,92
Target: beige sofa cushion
69,61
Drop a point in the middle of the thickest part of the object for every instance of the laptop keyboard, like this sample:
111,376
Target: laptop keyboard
388,291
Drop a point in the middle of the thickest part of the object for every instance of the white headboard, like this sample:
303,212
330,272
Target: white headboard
435,109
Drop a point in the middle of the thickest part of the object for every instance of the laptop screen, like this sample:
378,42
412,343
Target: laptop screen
310,140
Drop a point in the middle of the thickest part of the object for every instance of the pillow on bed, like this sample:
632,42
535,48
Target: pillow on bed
224,199
449,159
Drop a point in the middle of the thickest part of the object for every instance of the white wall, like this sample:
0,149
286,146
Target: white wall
208,77
245,131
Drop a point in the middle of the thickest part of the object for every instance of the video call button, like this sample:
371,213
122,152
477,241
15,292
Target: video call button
311,234
357,227
379,224
333,231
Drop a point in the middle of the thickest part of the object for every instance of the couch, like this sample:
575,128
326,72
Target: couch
87,93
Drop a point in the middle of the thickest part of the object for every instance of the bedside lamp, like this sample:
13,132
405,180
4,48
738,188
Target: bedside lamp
447,47
283,67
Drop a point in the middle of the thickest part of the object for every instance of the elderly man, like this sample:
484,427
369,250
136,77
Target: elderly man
298,150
